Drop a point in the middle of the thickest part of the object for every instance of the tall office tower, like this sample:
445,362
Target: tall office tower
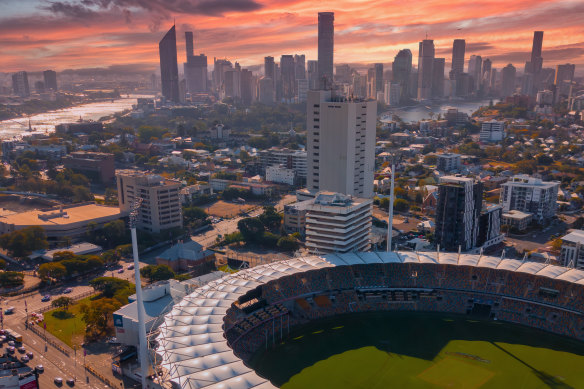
413,84
564,72
189,44
508,80
246,79
169,66
340,144
425,63
371,92
326,39
20,84
486,74
231,84
401,71
287,71
474,70
378,77
220,66
161,205
457,212
493,80
359,86
312,73
266,91
438,78
343,74
536,59
458,50
300,66
39,87
195,69
50,77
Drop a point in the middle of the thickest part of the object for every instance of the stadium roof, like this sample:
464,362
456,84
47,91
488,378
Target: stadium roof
191,342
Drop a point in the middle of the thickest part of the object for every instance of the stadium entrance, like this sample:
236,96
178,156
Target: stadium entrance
481,311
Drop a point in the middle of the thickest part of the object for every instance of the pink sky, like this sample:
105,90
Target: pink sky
38,34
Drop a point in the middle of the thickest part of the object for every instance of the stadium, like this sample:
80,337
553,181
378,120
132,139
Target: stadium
211,338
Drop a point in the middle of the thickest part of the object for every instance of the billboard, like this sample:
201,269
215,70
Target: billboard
118,320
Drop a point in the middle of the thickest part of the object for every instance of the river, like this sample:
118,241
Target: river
419,112
46,122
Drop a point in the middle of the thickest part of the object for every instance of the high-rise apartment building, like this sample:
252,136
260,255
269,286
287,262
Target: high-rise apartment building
340,144
572,254
492,131
247,86
50,77
337,223
402,70
169,66
292,159
438,78
20,84
425,64
266,91
326,38
220,67
190,47
508,80
270,68
528,194
300,66
458,51
160,205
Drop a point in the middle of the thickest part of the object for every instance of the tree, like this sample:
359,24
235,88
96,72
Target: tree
2,264
97,316
557,244
251,228
401,205
157,272
52,270
109,286
194,217
62,302
270,218
288,243
23,242
430,159
11,279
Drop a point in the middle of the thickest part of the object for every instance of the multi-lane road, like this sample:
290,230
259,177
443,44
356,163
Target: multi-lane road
55,363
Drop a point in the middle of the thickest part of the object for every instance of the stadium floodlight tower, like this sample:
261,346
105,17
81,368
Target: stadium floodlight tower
390,206
141,324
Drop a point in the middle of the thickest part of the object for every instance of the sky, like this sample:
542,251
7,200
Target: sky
124,34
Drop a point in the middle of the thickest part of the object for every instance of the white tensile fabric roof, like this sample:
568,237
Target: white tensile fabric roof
191,342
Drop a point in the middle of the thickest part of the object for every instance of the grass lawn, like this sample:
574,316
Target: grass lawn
401,350
68,325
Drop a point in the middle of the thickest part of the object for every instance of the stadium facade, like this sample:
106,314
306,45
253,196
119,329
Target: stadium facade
205,341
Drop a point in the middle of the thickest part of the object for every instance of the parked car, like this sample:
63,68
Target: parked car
121,271
58,381
40,368
70,382
46,298
131,267
30,355
24,359
10,349
68,290
21,349
9,311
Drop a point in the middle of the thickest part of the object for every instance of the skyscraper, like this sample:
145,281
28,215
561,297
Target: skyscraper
300,66
288,71
326,36
401,71
508,80
195,68
564,72
169,66
20,84
474,70
270,68
536,59
458,50
340,144
220,66
486,74
438,78
425,64
50,77
378,77
312,73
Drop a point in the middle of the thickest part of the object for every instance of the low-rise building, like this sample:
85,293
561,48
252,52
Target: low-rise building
492,131
96,166
69,221
448,162
517,219
280,174
338,223
187,256
572,254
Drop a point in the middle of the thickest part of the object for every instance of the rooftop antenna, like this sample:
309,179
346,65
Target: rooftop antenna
139,301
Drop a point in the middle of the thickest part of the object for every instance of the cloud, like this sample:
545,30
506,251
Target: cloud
75,11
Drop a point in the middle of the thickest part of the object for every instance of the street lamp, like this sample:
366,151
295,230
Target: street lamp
141,325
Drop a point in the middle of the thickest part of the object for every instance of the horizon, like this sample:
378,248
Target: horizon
247,30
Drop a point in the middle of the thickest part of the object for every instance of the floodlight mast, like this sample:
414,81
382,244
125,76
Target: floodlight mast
390,206
141,324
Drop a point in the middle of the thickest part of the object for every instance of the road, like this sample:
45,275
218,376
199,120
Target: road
228,226
56,364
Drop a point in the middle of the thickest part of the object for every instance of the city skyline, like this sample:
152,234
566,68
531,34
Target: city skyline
36,34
